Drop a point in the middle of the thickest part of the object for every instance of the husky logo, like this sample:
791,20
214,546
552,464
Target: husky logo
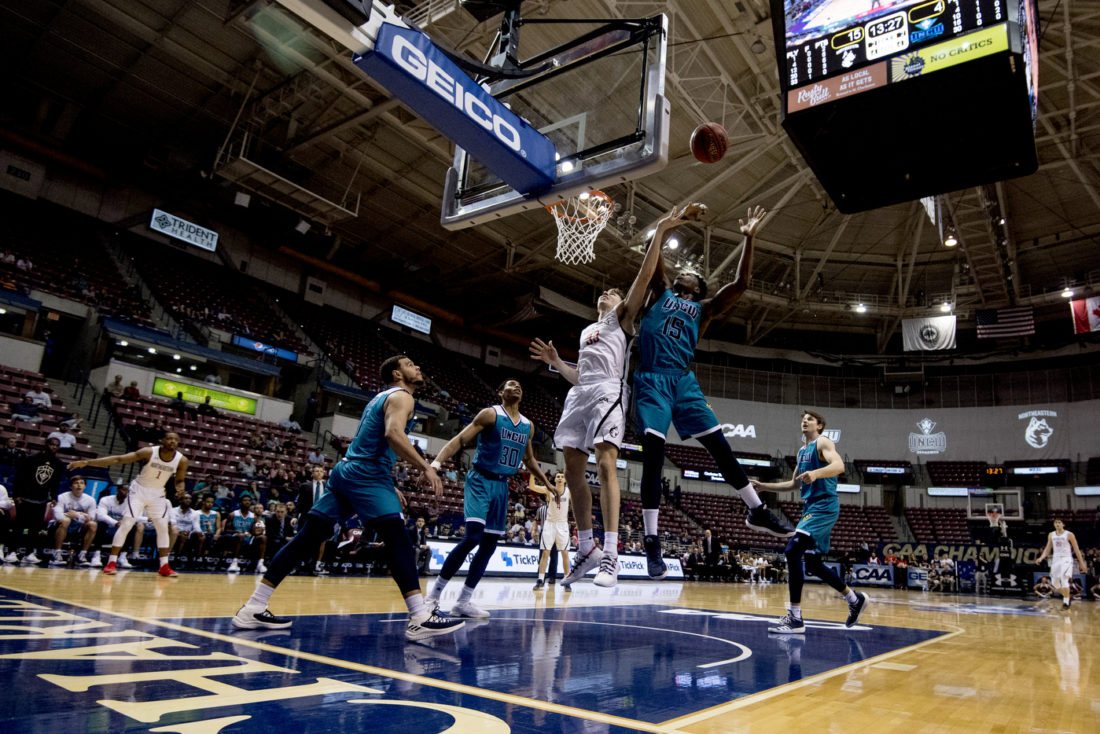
1038,433
43,474
927,442
833,434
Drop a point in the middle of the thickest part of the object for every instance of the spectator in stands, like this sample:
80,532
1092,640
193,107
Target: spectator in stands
183,527
8,258
247,466
131,391
24,263
280,529
212,379
677,496
66,439
316,456
39,396
183,408
237,531
25,410
116,388
256,440
206,409
712,550
37,479
75,514
291,425
10,453
418,535
272,443
309,492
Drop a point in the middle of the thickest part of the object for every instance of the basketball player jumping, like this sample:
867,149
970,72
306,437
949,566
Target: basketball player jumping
815,474
1062,542
594,416
666,391
503,441
146,494
554,535
362,483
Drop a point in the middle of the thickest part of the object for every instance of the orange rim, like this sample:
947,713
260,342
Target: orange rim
552,208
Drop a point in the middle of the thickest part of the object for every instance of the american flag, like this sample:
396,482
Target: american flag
994,323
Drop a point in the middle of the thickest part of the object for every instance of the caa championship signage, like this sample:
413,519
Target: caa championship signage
409,65
522,560
181,229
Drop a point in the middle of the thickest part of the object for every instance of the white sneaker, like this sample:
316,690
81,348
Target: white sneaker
468,609
429,624
234,567
57,559
123,562
82,559
260,567
255,617
608,574
582,565
11,558
320,570
31,558
97,560
432,603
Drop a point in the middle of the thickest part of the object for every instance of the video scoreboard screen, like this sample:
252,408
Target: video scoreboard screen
828,37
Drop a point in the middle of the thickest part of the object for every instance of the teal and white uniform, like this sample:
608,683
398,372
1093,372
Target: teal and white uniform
362,483
665,389
821,507
500,449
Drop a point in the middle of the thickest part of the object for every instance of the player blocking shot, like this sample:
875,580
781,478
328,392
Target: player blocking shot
362,483
1061,547
503,437
594,415
666,391
815,475
146,498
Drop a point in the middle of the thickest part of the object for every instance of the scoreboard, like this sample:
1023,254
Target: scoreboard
816,49
859,75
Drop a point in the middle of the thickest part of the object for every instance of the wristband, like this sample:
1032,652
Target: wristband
436,465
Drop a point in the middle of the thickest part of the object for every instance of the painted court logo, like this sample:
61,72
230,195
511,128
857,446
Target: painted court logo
1038,431
927,442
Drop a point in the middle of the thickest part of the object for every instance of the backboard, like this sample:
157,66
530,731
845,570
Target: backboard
979,502
600,100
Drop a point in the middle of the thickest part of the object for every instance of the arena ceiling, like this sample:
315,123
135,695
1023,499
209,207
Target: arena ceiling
157,85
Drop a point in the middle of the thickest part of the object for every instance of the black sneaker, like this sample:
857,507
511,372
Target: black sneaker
855,608
250,618
655,565
760,518
789,625
429,625
539,584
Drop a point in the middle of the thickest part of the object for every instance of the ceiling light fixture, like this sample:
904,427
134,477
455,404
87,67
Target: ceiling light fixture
1067,293
950,239
860,308
945,306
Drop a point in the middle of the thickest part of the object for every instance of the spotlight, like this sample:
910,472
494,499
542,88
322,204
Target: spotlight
302,227
152,351
124,343
1001,221
945,306
950,239
175,356
757,46
567,167
192,368
860,308
1067,293
673,243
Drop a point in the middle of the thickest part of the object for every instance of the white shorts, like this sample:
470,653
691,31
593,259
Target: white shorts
1061,570
554,534
145,502
592,414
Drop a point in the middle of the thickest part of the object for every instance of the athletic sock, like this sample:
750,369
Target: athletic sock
438,587
112,558
611,544
163,561
649,519
260,596
584,541
851,597
749,496
415,603
465,594
795,610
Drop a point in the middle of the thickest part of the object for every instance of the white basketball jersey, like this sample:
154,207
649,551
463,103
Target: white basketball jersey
602,355
156,472
557,510
1061,545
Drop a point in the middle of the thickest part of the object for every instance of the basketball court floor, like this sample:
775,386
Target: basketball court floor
83,652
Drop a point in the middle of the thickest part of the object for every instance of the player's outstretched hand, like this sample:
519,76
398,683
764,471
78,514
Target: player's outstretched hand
431,478
755,215
76,465
543,351
691,212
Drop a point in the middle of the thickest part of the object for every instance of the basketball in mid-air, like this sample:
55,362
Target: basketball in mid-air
709,142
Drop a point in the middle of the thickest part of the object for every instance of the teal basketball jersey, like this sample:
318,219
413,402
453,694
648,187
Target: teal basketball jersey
500,449
819,489
668,333
370,444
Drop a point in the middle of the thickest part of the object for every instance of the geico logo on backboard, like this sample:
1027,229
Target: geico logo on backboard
467,99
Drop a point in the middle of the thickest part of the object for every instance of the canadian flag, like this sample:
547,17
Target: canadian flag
1086,315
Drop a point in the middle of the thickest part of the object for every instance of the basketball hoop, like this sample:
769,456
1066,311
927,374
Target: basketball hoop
580,220
994,519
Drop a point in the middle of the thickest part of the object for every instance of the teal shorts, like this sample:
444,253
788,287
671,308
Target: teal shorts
661,399
817,522
357,488
486,500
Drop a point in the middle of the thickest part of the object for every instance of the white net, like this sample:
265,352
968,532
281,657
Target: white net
580,220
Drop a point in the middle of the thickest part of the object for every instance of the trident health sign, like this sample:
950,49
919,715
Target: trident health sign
522,560
181,229
195,394
414,70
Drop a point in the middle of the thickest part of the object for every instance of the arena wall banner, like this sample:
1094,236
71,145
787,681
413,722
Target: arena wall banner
956,552
516,560
917,577
195,394
872,574
833,565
